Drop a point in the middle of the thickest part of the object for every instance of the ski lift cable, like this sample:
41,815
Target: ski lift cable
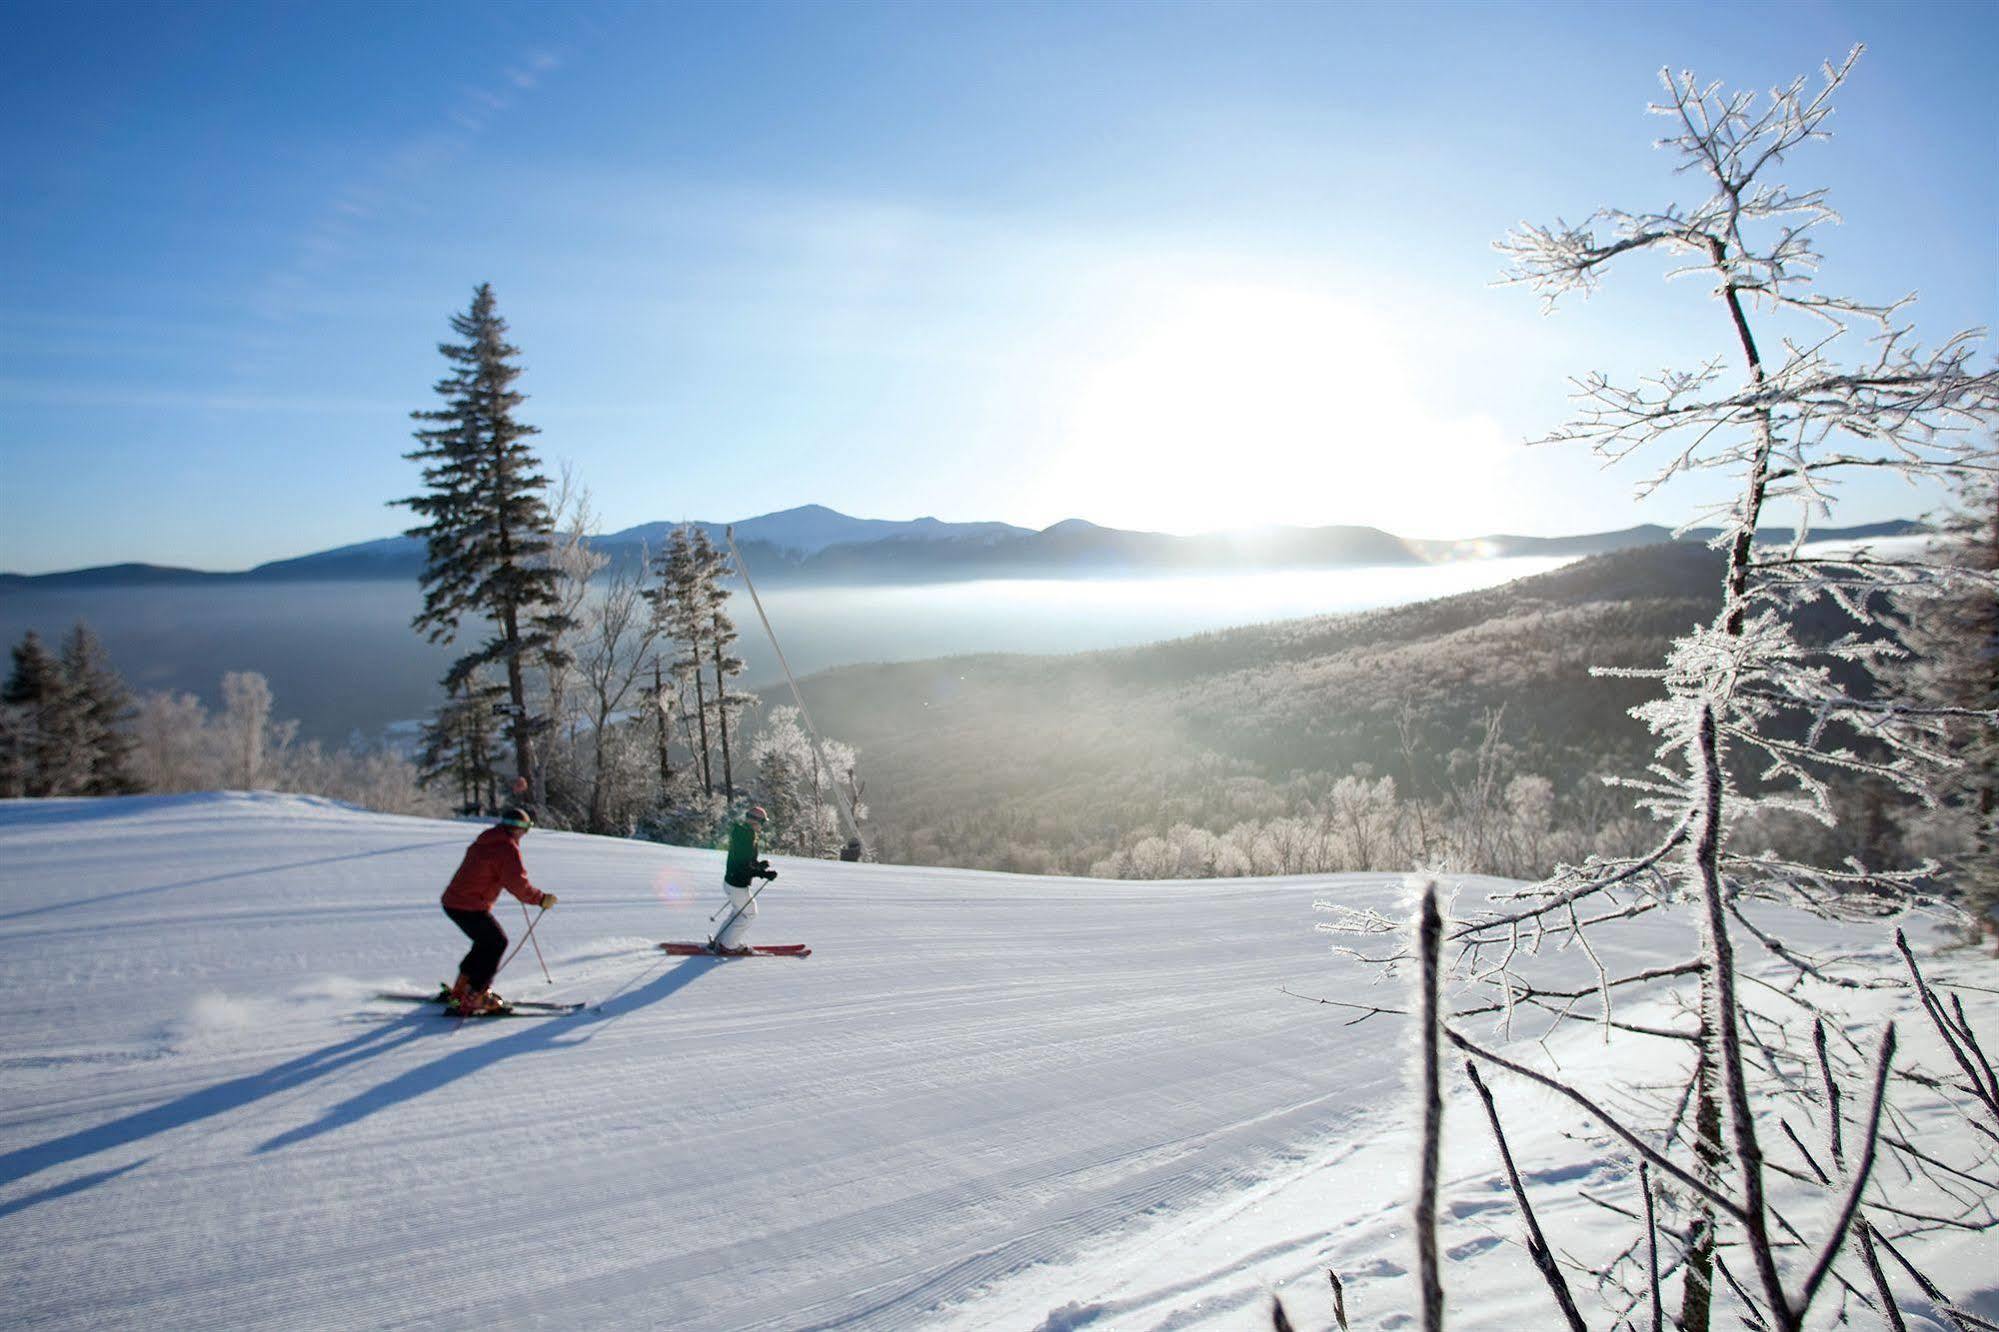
840,805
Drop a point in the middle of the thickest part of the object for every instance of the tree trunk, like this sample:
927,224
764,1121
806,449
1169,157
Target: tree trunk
596,815
1697,1296
659,709
701,715
1725,1045
510,629
1739,562
722,719
517,694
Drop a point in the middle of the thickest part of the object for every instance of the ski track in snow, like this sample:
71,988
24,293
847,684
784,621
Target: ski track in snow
986,1101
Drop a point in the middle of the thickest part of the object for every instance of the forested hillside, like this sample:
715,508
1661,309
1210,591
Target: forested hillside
1056,764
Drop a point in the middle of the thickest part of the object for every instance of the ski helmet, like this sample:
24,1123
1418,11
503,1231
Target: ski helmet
513,816
756,814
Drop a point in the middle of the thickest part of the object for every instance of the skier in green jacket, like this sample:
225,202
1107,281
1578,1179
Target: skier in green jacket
743,870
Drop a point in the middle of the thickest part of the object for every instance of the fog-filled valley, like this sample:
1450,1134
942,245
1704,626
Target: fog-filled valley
341,657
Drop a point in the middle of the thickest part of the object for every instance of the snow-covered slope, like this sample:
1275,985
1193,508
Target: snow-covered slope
986,1101
207,1120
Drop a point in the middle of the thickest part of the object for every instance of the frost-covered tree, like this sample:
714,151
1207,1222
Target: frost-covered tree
715,571
253,745
172,748
798,790
613,651
1755,718
1955,641
679,601
177,746
486,538
690,603
575,565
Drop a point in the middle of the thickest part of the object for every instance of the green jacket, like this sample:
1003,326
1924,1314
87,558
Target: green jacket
743,862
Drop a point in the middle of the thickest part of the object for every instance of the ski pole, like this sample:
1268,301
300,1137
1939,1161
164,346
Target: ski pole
517,947
537,946
747,902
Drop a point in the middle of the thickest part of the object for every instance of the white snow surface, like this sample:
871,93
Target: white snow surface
986,1101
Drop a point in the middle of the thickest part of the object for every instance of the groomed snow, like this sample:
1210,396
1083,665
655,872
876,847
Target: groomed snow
987,1101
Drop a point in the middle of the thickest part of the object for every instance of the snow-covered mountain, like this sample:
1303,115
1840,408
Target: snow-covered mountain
811,528
986,1101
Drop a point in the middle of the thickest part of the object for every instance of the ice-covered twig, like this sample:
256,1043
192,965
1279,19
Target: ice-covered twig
1658,1159
1980,1078
1869,1141
1651,1247
1964,1320
1537,1243
1429,941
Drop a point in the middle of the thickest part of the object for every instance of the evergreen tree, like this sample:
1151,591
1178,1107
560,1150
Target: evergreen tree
487,535
16,750
48,754
680,606
460,745
715,569
103,710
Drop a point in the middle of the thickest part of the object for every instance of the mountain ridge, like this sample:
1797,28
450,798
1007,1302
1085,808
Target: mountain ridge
813,543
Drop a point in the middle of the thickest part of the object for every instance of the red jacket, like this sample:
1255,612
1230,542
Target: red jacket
492,862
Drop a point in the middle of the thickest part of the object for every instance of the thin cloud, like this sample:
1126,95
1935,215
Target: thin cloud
38,393
330,237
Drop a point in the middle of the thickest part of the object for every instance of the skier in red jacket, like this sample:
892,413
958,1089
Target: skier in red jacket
491,863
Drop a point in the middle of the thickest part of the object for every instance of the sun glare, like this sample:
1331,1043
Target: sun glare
1245,405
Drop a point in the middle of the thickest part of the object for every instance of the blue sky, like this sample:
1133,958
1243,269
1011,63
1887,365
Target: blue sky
1158,265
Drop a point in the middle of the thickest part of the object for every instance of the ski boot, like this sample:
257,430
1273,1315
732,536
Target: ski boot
479,1003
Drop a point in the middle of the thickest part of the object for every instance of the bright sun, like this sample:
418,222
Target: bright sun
1246,405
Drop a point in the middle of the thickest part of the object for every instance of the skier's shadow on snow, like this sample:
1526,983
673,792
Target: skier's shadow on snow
541,1034
196,1106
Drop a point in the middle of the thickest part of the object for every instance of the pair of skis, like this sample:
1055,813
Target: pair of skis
510,1008
520,1008
680,949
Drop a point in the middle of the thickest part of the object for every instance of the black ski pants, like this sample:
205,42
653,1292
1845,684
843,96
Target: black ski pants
489,945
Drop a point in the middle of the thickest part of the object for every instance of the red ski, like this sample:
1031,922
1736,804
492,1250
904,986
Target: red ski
755,950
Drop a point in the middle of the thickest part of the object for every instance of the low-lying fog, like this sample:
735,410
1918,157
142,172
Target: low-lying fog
342,659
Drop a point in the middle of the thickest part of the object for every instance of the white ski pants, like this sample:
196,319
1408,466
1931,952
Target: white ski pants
745,912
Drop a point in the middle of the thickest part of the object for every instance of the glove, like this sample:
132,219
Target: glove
547,901
768,872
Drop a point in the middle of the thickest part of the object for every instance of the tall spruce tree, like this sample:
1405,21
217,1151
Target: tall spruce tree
690,604
45,752
714,569
680,606
487,535
102,707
